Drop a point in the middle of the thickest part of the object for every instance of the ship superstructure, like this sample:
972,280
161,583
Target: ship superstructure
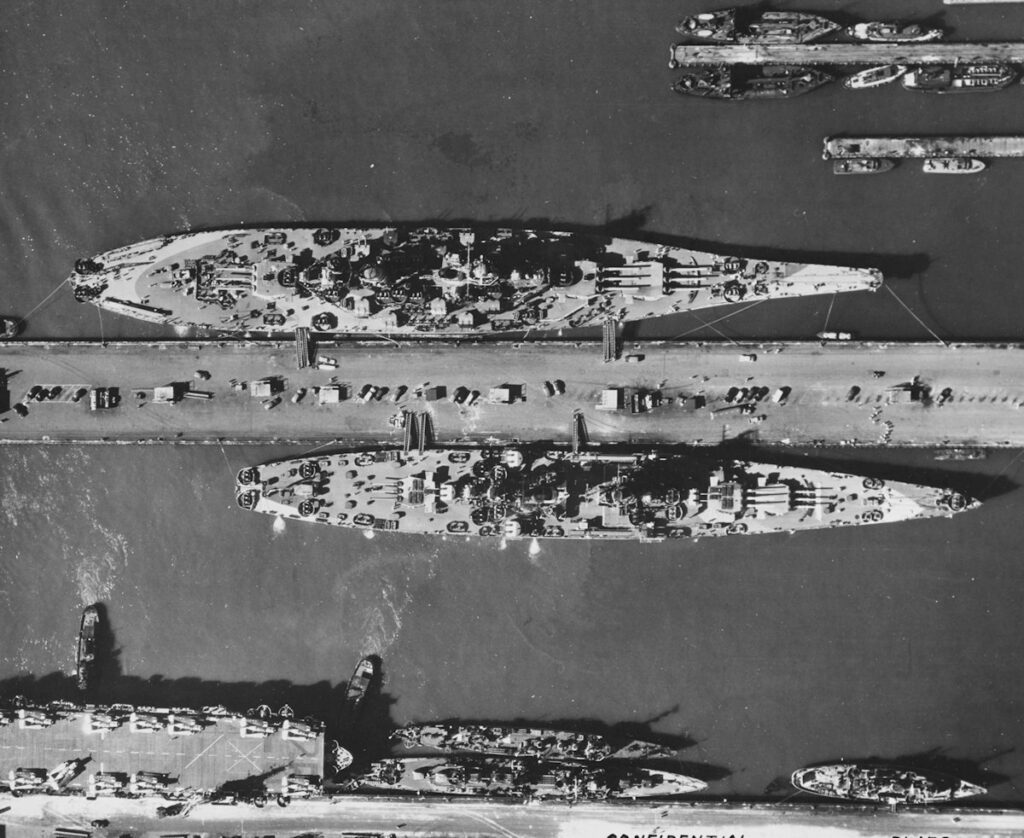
425,281
521,778
883,783
541,743
528,491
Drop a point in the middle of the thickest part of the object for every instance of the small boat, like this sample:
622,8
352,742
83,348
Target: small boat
892,33
874,76
882,783
959,78
835,335
960,454
952,165
862,165
87,647
9,327
739,83
732,26
359,683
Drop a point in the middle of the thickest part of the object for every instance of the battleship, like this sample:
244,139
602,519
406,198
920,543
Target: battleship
531,492
520,778
882,783
736,83
427,281
546,744
747,26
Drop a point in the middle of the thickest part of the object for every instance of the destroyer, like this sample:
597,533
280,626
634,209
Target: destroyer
959,78
739,83
881,783
874,76
747,26
527,491
525,742
521,778
892,33
86,658
427,281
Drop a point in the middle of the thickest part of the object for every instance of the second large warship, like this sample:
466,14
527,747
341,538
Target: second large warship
427,281
528,491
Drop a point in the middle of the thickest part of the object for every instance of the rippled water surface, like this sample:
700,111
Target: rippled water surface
120,122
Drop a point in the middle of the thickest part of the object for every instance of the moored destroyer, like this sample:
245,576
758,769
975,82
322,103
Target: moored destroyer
529,491
959,78
874,76
86,657
749,26
738,83
427,281
520,778
892,33
541,743
883,783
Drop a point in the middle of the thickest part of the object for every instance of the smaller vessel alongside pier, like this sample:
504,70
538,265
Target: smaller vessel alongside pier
959,78
526,779
883,783
892,33
9,327
541,743
749,26
360,682
874,77
862,166
737,83
951,165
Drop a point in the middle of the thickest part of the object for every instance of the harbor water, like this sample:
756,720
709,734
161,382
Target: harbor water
757,655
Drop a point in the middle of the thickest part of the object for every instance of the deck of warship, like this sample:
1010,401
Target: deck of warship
922,147
841,393
366,816
943,52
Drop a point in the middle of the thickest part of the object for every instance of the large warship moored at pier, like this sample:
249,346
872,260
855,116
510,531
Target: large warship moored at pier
737,83
541,743
426,281
521,778
751,26
883,783
528,491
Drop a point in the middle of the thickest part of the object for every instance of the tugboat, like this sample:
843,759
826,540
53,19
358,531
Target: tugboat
893,33
874,77
86,659
359,683
741,83
880,783
431,281
9,327
541,743
959,78
521,778
531,491
736,26
952,166
862,165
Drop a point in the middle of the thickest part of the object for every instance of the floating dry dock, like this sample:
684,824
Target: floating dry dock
799,393
922,147
683,55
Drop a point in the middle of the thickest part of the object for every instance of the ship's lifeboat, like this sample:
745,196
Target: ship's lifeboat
364,519
275,238
737,529
248,476
553,532
873,483
459,457
680,532
458,527
247,500
308,469
309,507
364,460
273,318
487,530
325,321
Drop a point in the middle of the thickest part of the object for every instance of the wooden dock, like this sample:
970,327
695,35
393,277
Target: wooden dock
838,148
682,55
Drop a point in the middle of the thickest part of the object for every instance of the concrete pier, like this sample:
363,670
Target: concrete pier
862,54
840,393
921,147
351,816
